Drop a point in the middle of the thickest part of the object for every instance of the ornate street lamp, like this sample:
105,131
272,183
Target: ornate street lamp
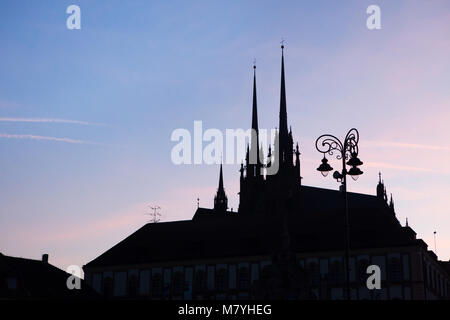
348,153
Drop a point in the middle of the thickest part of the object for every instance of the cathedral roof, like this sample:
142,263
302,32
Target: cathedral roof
317,227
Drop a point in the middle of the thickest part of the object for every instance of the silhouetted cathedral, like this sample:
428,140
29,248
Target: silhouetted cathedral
277,194
286,241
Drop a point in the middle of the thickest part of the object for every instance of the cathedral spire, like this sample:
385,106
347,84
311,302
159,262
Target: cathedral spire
220,200
283,112
220,179
255,108
254,142
380,187
391,204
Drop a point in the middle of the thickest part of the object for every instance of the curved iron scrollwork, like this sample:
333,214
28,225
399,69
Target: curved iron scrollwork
328,144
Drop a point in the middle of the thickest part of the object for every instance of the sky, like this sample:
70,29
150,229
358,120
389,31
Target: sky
86,115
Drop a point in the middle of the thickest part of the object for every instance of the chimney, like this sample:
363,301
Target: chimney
45,258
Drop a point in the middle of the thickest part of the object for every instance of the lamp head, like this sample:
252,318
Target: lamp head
355,172
354,160
324,167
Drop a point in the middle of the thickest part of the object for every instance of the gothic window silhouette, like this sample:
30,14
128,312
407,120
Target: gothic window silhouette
156,285
133,285
200,281
221,280
108,287
243,278
178,283
395,269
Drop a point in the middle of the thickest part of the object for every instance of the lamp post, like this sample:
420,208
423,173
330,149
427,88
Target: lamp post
346,151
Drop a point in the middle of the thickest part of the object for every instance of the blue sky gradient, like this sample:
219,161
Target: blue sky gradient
137,70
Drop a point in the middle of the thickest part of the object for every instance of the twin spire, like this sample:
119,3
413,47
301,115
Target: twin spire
283,127
283,112
254,140
283,108
255,107
252,168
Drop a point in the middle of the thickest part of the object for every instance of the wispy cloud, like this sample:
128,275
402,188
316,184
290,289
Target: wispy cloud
400,167
51,120
34,137
408,145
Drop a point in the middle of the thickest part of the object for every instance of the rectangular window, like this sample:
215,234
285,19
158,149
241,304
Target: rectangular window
323,266
407,293
210,277
255,272
352,269
188,280
406,266
120,284
167,281
232,276
144,282
97,282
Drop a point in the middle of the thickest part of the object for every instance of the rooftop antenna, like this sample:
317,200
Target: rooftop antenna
435,250
198,203
155,215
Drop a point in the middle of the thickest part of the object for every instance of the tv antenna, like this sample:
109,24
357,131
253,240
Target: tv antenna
435,249
154,214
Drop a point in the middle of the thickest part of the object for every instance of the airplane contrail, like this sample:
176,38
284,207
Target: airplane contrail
50,120
34,137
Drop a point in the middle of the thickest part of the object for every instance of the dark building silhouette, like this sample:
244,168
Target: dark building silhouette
22,278
286,241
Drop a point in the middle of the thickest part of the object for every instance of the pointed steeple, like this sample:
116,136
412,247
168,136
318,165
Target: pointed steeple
220,200
380,187
255,108
391,203
254,143
283,111
220,179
